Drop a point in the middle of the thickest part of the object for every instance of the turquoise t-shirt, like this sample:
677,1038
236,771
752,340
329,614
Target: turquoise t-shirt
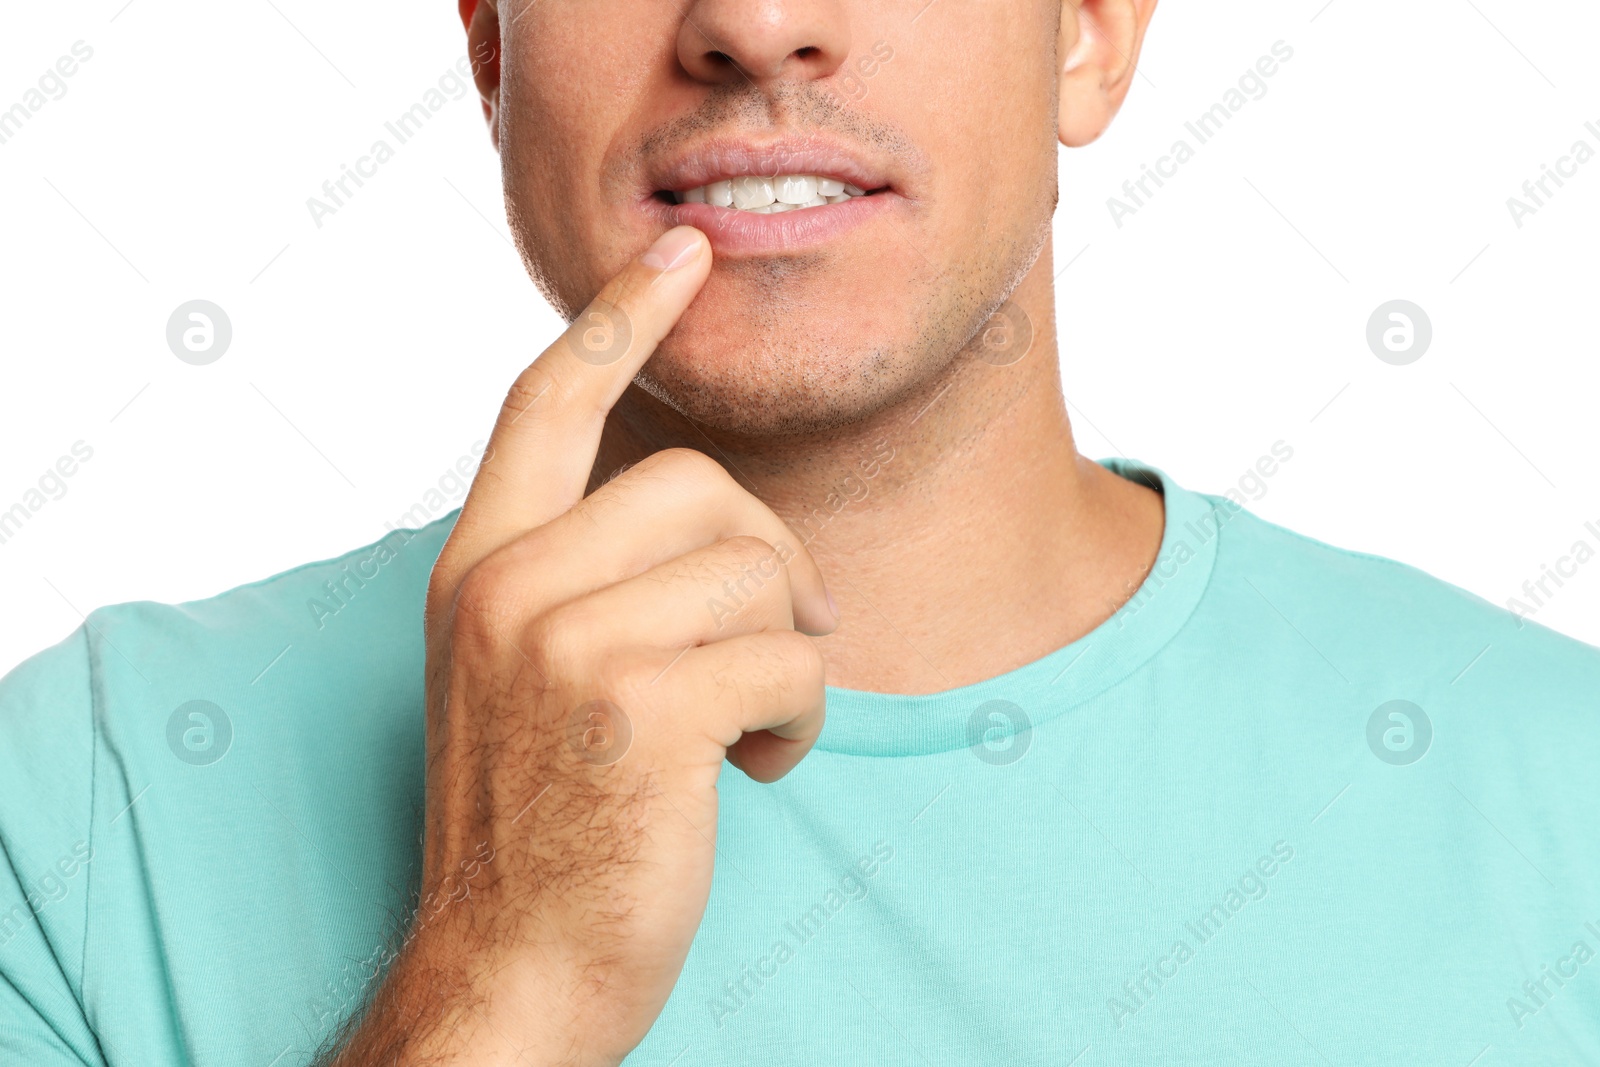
1289,805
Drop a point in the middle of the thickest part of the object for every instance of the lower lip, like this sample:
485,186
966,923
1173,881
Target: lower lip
735,232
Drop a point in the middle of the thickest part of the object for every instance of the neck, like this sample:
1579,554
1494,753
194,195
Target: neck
959,530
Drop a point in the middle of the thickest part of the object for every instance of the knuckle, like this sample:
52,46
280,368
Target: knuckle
483,590
525,392
441,594
751,562
486,604
745,551
774,671
561,642
627,680
693,467
750,575
796,660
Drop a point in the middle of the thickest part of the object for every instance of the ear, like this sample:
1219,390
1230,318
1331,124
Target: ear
482,21
1099,50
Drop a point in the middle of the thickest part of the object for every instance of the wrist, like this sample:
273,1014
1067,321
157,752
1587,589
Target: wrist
446,1001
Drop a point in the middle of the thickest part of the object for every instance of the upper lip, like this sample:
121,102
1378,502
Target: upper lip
721,158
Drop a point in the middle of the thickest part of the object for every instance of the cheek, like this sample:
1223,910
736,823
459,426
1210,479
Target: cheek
567,100
979,97
567,234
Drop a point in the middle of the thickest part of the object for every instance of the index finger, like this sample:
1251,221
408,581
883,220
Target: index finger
539,456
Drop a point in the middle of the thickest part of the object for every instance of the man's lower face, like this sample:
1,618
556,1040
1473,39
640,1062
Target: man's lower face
867,211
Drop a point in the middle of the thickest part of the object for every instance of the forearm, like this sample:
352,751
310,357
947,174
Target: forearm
442,1005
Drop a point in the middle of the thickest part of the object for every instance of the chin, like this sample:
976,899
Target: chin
788,349
764,355
772,379
779,396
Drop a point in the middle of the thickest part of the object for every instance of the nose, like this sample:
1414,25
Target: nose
763,40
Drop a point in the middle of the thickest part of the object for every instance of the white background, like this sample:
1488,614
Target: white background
369,355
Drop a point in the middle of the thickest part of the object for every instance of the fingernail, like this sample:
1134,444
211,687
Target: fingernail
672,249
833,605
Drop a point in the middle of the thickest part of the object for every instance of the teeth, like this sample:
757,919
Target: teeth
766,196
752,192
795,188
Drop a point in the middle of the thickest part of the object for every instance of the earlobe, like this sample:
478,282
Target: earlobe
482,21
1099,53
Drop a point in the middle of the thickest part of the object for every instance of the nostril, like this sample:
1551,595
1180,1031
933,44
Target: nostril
807,52
719,57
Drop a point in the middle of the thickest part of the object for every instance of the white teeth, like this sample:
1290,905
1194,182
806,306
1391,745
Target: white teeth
795,188
765,196
752,192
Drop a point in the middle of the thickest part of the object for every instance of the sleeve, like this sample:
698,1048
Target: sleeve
46,779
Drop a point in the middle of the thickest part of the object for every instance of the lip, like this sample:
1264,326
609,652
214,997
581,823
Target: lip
722,158
745,233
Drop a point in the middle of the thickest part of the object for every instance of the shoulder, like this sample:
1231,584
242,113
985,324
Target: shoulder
44,756
341,632
153,758
1369,613
312,599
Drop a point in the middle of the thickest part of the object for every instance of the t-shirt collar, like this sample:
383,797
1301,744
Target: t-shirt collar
864,723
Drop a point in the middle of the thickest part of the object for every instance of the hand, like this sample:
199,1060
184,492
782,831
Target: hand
583,689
